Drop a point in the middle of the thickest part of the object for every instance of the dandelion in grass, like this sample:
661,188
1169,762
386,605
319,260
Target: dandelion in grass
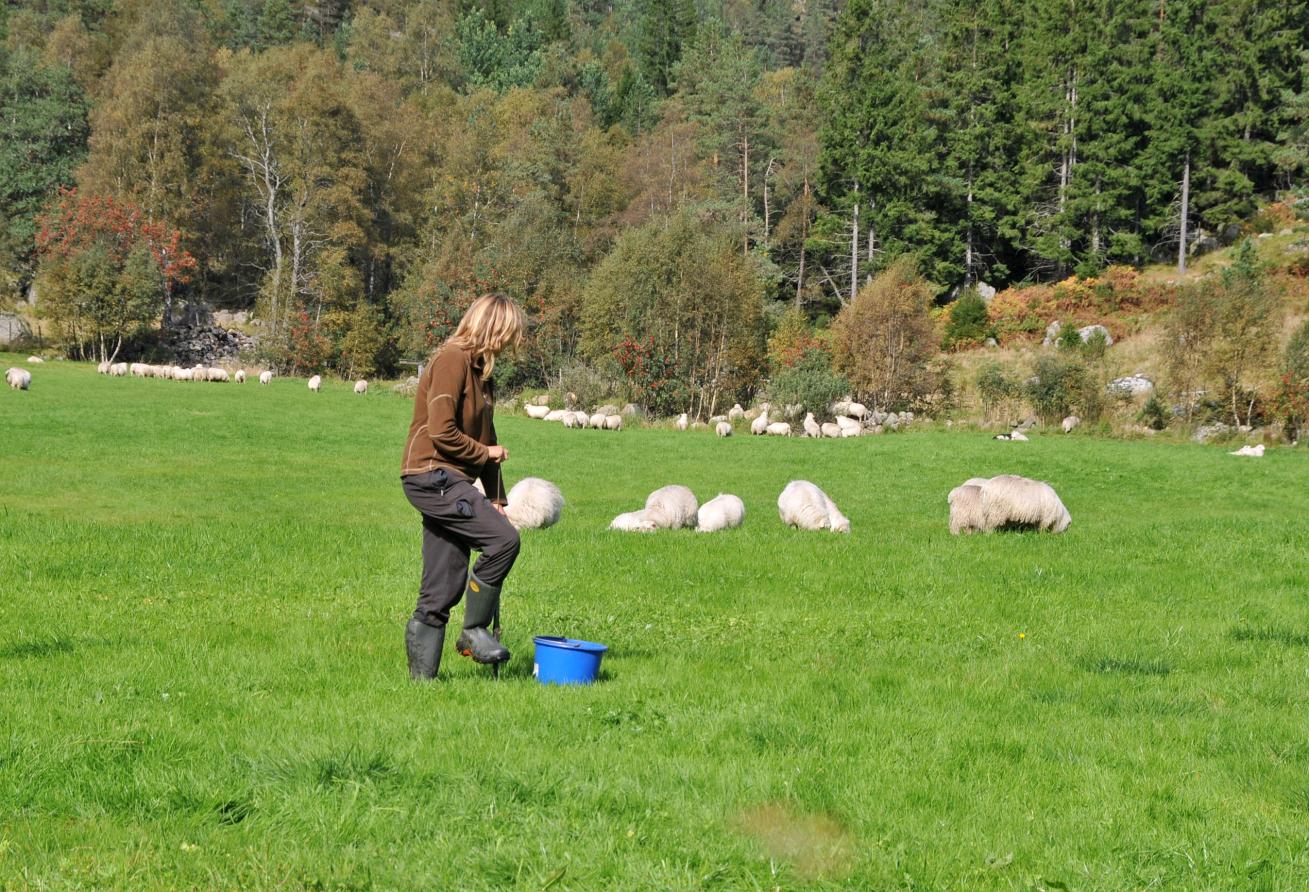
1022,636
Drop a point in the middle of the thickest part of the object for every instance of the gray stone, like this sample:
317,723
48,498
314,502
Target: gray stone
228,318
13,330
1210,432
1131,386
985,292
1086,333
1051,333
207,344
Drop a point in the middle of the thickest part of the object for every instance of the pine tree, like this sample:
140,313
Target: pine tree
663,27
276,24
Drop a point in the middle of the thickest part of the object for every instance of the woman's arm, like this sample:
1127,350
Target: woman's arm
492,480
448,372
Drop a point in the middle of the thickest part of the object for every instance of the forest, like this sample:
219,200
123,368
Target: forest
686,196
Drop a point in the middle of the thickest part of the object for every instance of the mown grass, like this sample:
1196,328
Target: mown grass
202,593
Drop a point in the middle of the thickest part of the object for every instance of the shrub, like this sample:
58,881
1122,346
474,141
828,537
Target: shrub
969,322
997,388
1154,414
1061,387
810,382
590,385
1293,388
1069,339
792,340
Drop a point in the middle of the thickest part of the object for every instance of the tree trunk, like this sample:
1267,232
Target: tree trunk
1186,201
968,238
854,245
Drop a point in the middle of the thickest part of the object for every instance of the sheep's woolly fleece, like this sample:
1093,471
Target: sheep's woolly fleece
1006,502
805,506
534,503
723,512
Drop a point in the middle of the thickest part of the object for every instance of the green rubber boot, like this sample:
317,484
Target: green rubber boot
423,644
481,601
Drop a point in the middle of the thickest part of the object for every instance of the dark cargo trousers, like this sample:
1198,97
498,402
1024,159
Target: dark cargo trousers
456,519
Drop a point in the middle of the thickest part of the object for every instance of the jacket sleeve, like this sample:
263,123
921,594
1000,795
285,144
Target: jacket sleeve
492,481
448,373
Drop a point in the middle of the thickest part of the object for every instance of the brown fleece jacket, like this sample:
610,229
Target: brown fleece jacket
453,422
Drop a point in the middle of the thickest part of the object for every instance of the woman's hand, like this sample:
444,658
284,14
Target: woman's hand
497,454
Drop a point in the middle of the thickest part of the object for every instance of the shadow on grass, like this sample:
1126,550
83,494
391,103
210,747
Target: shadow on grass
49,646
1270,634
1123,666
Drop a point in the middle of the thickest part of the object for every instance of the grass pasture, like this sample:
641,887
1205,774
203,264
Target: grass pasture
203,588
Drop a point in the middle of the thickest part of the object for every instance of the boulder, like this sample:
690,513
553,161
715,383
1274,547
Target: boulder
1088,331
1051,334
207,345
1208,432
13,330
985,292
1131,386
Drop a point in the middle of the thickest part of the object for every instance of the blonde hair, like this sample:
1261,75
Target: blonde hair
491,325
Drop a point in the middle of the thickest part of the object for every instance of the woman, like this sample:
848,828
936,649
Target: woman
452,442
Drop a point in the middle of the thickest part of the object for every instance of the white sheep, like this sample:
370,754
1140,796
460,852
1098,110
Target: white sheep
18,379
682,422
723,512
966,515
556,415
811,427
723,429
534,504
239,376
613,422
597,421
1251,451
265,377
849,427
570,419
736,413
857,410
180,374
1070,423
361,387
779,429
218,375
535,411
137,369
759,426
1009,501
316,383
118,370
34,359
805,506
103,368
633,522
831,429
671,507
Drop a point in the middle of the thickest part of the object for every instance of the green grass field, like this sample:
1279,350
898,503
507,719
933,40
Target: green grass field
203,589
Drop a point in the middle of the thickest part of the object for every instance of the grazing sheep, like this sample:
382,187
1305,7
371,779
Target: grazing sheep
811,428
34,359
613,422
633,522
570,419
759,426
849,427
671,507
723,512
1011,502
857,410
315,383
966,515
597,420
736,413
581,419
682,422
1252,451
533,504
779,429
555,415
239,376
118,370
137,369
103,368
1071,423
361,387
183,374
535,411
265,377
805,506
723,429
218,375
18,379
831,429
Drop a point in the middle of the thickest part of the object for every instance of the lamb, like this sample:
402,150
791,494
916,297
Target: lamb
597,420
831,429
361,387
759,426
633,522
671,507
102,368
779,429
1070,423
1252,451
682,422
849,427
265,377
613,422
811,428
723,429
240,376
534,504
966,514
723,512
315,383
34,359
535,411
18,379
118,370
736,413
1011,502
805,506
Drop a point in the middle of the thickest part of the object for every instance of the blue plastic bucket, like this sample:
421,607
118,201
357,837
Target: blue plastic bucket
566,660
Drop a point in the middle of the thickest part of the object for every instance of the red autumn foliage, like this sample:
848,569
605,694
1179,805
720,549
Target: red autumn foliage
76,222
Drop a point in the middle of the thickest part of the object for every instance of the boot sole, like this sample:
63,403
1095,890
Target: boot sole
469,654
